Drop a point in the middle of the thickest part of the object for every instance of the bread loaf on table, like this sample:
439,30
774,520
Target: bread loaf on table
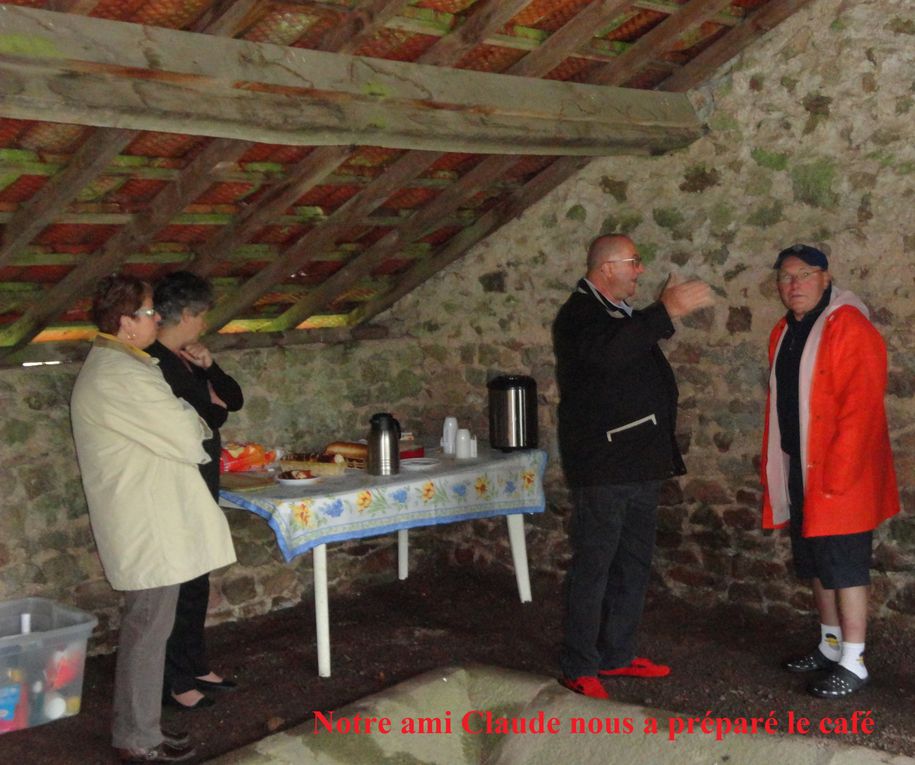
353,452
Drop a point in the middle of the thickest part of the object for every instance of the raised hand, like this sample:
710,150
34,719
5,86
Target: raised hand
682,298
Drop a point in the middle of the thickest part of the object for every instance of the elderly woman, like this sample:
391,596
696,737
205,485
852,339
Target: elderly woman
182,300
155,524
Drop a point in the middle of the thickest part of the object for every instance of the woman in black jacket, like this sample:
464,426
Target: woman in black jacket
182,300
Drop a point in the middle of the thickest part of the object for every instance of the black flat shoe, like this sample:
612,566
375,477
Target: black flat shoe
161,753
812,662
202,703
841,683
177,739
222,685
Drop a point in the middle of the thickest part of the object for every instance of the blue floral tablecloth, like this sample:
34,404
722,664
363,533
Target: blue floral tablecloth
360,505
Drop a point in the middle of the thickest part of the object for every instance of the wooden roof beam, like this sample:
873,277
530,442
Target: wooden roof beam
730,44
96,152
506,210
537,63
626,66
308,173
201,85
138,233
486,18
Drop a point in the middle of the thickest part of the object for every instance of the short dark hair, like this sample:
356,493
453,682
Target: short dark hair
180,290
116,296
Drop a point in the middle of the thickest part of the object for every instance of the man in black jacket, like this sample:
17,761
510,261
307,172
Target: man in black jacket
617,418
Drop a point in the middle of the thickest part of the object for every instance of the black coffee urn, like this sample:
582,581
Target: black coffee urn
512,412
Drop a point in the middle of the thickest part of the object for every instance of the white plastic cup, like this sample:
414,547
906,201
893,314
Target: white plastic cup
449,434
462,444
473,446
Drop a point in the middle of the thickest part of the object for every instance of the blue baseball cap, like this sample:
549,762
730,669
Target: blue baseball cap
810,255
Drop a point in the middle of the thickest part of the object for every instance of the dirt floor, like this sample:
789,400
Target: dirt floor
724,661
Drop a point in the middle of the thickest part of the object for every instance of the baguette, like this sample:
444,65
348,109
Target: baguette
353,452
349,449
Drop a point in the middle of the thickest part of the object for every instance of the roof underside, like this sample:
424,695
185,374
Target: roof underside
306,156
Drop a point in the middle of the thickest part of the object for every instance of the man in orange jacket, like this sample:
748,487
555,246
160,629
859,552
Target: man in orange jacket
827,468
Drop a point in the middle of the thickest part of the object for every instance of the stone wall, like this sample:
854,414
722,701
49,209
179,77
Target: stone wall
810,139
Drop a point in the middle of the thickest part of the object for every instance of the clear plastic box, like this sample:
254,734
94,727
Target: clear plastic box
41,671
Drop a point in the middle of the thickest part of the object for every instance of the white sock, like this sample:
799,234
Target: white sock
831,642
853,659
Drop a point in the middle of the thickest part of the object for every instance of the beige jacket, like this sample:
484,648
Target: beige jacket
154,521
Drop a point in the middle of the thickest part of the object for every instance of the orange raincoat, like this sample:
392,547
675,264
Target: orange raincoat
849,479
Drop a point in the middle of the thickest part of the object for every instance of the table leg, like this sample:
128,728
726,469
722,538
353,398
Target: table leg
519,555
322,616
403,553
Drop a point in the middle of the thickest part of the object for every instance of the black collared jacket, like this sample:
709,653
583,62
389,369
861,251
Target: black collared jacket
618,395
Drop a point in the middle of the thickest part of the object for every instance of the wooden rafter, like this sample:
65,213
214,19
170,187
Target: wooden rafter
518,200
569,38
141,230
491,18
308,173
97,150
423,221
361,24
201,85
323,238
483,23
507,209
731,43
487,18
91,158
541,61
622,69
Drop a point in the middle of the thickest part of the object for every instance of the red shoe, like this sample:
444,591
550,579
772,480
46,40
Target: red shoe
639,667
587,685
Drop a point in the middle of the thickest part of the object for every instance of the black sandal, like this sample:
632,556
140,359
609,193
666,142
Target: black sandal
841,683
812,662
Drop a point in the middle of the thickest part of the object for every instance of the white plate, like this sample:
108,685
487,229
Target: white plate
298,481
419,463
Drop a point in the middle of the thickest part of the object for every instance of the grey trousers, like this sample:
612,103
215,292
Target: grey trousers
145,626
612,537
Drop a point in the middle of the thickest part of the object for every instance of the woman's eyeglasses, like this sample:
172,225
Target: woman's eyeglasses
150,312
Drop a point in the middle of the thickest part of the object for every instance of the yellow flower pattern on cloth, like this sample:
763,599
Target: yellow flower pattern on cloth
528,478
428,491
363,500
302,512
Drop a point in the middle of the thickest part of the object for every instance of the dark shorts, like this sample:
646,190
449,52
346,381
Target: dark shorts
838,561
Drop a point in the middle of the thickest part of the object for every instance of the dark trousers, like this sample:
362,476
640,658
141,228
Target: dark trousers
612,536
185,652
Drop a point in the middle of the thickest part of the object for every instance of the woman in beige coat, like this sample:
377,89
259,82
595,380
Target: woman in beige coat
154,521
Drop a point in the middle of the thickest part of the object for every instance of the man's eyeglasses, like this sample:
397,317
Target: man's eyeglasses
636,261
150,312
783,277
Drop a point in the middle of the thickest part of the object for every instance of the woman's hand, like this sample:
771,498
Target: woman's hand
197,354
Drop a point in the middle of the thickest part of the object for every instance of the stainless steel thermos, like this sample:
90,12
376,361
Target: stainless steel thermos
512,412
384,445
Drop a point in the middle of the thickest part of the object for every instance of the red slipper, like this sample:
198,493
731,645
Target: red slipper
638,667
587,685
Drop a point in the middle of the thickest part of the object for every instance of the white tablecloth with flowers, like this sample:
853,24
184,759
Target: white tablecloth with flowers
359,505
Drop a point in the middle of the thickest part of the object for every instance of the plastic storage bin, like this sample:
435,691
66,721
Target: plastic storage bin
41,672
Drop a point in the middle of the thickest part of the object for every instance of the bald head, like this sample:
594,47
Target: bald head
608,247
